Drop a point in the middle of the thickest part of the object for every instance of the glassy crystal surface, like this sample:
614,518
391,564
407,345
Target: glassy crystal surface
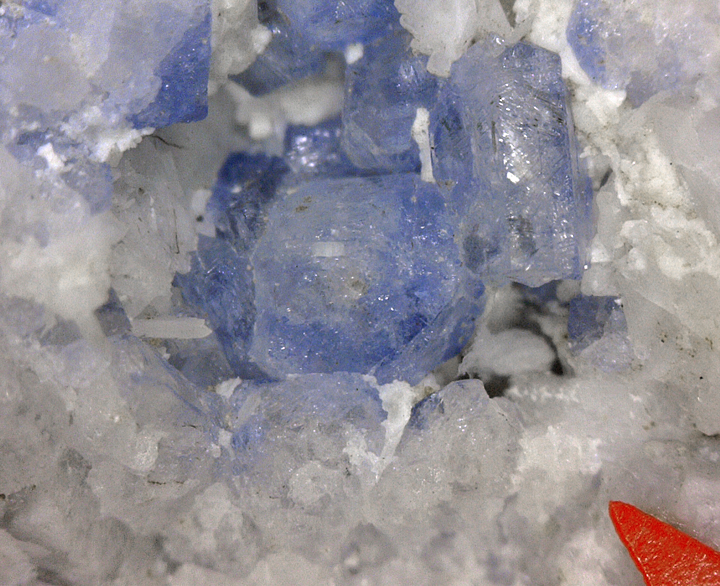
503,146
183,73
383,91
220,281
335,24
360,275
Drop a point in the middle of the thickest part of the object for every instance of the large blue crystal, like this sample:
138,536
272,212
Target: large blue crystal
220,281
503,146
335,24
361,275
383,91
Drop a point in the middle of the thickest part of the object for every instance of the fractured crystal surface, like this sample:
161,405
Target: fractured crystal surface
503,146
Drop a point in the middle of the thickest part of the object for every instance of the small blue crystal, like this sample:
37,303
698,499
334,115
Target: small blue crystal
629,46
383,91
315,151
276,426
288,57
91,179
334,24
503,146
592,317
360,275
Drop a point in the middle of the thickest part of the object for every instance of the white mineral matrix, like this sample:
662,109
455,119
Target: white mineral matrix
322,293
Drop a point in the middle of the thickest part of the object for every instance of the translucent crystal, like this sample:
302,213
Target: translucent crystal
503,146
288,56
316,151
360,275
383,91
220,281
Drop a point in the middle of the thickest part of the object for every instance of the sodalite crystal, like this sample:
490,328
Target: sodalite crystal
503,145
332,25
288,57
360,275
337,257
220,281
278,427
183,81
383,91
315,151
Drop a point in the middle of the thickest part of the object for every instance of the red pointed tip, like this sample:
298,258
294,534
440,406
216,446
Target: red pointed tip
666,556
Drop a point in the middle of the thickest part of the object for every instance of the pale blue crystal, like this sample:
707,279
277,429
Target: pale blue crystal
638,46
335,24
281,426
316,151
220,281
289,56
503,147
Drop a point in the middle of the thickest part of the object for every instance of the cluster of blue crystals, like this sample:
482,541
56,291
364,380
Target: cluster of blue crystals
123,67
338,257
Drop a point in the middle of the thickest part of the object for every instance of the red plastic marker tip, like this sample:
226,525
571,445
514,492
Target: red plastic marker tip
666,556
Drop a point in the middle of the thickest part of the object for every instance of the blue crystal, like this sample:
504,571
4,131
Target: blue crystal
503,146
383,91
335,24
220,281
183,81
246,186
633,46
92,180
315,151
282,421
592,317
360,275
288,56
